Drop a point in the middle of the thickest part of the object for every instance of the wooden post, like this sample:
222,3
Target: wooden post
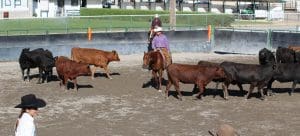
172,14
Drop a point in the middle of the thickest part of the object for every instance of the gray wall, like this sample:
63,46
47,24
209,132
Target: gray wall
284,39
123,42
247,42
232,41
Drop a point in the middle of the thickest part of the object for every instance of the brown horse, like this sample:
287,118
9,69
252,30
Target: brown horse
154,61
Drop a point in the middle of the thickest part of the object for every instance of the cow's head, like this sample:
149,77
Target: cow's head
55,58
84,69
219,72
115,56
25,50
48,63
146,60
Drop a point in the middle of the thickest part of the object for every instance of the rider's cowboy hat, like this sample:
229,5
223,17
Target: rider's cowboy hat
30,101
156,15
158,29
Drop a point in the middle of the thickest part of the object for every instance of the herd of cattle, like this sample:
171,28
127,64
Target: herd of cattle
84,61
283,68
67,69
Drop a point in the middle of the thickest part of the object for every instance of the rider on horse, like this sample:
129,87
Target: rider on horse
155,23
161,43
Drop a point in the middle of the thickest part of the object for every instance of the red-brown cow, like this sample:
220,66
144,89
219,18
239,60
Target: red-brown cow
192,74
68,69
295,48
95,57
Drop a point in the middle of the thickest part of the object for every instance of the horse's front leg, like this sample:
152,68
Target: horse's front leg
154,75
160,72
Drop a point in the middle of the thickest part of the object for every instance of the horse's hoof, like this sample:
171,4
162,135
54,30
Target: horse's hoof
159,91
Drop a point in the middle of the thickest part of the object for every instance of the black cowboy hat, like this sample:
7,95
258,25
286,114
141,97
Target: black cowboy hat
30,101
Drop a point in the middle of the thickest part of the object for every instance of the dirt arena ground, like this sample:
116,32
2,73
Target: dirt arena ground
120,106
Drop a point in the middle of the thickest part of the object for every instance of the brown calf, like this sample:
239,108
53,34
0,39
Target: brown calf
295,48
95,57
153,60
68,69
192,74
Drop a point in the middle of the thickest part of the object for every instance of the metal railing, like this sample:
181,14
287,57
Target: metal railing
126,23
79,24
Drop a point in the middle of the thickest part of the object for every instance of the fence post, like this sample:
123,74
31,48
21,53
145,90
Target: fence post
189,21
208,33
269,46
66,25
110,24
131,21
206,20
222,21
89,33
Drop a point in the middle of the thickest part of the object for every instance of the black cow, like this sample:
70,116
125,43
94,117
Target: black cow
285,55
255,75
43,59
266,57
286,72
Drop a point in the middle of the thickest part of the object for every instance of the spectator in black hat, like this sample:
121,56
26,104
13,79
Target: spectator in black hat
29,108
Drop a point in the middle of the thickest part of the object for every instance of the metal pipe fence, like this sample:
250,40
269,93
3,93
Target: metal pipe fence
126,23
